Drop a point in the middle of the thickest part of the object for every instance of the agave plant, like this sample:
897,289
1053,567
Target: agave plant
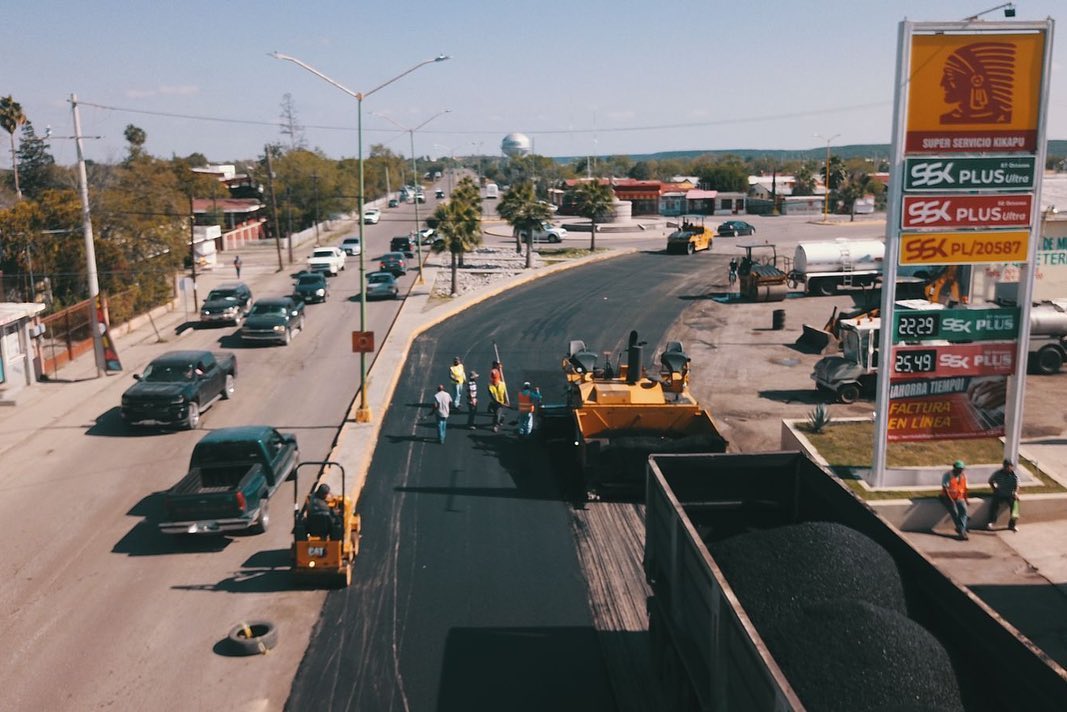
819,418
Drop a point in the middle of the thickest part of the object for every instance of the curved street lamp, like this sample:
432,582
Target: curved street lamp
363,414
414,176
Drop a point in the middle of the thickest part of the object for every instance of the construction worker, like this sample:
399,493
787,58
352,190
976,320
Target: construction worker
472,397
1005,484
442,406
529,399
954,494
458,375
498,395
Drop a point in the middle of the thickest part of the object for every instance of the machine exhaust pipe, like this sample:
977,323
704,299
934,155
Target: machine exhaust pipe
633,359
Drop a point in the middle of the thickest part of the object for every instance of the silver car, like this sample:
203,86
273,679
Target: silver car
382,285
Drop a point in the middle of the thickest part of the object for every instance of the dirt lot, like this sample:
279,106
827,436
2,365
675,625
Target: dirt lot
751,376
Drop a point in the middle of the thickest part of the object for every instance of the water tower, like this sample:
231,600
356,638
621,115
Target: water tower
515,144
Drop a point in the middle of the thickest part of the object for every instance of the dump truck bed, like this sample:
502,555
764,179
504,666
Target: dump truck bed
698,621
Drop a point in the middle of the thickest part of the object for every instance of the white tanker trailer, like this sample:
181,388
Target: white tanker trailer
827,266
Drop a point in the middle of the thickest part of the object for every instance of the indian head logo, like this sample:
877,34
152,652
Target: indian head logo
978,78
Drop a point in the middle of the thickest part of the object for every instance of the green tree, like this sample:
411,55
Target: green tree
525,213
11,117
593,199
40,247
729,174
136,137
38,165
459,225
804,179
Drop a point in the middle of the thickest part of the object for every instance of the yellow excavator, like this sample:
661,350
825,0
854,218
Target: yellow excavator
325,532
617,415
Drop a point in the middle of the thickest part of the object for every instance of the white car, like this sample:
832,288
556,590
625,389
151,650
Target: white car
371,216
547,233
330,260
351,246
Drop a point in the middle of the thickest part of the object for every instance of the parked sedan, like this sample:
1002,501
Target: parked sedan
382,285
371,216
312,287
394,263
735,228
393,202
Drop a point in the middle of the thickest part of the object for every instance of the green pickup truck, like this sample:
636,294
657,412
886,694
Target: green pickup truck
232,475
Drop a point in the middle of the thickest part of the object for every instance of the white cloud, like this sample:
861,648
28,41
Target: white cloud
179,90
164,90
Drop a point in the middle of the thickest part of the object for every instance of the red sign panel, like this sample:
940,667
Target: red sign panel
947,408
994,358
363,342
949,211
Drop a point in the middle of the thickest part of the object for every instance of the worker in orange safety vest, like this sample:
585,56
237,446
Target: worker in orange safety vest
954,496
529,399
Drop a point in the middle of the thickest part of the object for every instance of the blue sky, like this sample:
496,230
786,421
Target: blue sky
578,76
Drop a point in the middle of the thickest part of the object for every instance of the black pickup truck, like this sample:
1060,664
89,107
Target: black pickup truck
274,319
178,386
232,474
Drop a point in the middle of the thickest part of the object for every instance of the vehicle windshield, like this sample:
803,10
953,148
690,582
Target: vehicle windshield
851,347
378,278
218,295
322,253
168,372
350,241
310,280
267,309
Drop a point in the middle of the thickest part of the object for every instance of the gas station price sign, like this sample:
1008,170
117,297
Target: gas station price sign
956,325
915,361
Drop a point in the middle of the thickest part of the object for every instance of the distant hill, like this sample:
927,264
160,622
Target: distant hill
875,151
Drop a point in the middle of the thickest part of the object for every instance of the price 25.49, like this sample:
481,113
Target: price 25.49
915,361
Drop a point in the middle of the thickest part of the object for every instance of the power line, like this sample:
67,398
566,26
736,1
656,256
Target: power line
539,132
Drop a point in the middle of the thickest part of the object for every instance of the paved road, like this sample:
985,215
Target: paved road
93,592
468,591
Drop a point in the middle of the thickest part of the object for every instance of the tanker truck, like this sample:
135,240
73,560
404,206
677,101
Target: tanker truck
826,266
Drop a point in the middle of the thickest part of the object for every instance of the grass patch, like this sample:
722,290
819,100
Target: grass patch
849,445
563,253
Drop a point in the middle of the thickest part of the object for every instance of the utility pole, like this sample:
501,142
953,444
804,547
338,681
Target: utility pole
274,209
289,212
315,187
192,248
90,247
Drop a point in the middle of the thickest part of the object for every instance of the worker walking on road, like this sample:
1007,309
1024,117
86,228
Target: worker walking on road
237,265
458,375
954,493
1005,484
472,398
733,273
498,395
529,399
442,407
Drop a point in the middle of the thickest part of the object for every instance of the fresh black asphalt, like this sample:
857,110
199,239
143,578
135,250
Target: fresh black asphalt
467,593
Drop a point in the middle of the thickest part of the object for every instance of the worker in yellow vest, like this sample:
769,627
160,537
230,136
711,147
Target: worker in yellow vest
458,375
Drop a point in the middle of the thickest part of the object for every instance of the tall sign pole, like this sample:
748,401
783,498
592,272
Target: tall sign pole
968,151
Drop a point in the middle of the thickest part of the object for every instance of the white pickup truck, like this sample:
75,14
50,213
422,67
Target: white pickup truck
327,259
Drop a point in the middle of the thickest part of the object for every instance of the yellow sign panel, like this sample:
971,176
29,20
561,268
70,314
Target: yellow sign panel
963,248
974,93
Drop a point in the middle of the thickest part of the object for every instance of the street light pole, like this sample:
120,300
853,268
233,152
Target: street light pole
363,414
826,197
414,174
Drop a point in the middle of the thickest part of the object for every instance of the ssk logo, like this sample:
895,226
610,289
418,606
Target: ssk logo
929,212
925,250
935,173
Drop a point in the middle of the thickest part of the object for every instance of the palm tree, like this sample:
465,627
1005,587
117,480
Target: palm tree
459,225
11,117
592,199
525,213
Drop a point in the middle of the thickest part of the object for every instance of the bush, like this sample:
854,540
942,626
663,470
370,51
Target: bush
819,418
